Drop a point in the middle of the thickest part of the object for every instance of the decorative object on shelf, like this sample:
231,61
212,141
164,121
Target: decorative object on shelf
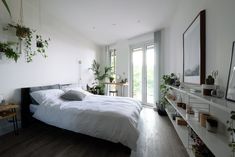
215,73
211,124
7,50
217,93
177,83
209,86
231,131
189,109
124,80
210,80
111,78
230,92
100,76
7,7
174,115
194,50
181,121
203,118
180,104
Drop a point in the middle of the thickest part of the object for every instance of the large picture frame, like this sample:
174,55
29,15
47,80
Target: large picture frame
230,92
194,51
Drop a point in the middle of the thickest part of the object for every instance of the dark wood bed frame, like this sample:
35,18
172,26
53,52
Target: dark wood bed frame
26,115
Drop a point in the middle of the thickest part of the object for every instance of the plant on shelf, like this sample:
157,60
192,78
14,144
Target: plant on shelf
210,80
7,7
111,78
25,34
100,76
5,48
231,131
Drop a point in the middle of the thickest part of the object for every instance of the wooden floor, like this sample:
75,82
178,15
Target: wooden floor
157,139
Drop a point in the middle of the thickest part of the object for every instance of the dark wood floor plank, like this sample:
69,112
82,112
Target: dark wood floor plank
157,139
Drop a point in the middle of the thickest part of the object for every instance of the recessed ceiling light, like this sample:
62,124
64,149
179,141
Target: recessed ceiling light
93,27
138,21
114,24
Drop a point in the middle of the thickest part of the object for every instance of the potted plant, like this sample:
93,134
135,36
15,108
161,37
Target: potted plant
231,131
166,79
6,49
111,78
41,45
209,86
100,76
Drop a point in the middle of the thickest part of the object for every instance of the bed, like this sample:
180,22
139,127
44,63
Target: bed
110,118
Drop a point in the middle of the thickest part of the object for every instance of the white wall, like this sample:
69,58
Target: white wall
66,48
220,34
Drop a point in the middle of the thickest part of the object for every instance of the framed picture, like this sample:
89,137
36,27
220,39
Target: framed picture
230,92
194,50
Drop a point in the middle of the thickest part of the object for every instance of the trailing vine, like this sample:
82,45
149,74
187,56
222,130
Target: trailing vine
5,48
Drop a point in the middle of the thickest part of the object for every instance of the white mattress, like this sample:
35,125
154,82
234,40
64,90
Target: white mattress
33,108
110,118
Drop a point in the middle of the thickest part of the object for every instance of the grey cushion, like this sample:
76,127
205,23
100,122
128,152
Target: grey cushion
73,95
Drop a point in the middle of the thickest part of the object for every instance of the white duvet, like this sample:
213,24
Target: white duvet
110,118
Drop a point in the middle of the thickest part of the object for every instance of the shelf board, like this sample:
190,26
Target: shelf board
217,143
182,133
220,103
181,130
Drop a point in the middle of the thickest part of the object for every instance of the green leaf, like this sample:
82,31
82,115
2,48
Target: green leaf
233,117
6,5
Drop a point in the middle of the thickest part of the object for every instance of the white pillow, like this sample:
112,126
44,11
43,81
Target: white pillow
79,89
41,95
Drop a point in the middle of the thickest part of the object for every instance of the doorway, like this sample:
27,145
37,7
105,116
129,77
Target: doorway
143,73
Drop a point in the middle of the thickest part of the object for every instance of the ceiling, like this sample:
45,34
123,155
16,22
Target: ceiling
107,21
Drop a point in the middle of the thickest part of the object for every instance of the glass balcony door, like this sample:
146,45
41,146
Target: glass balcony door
143,74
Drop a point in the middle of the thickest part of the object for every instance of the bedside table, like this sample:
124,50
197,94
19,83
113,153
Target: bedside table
9,111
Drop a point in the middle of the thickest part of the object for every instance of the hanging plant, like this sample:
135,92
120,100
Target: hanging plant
7,7
25,34
22,32
5,48
42,45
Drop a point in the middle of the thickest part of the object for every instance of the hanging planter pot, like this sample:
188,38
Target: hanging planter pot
22,32
39,44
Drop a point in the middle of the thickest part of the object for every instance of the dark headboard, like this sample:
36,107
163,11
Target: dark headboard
26,116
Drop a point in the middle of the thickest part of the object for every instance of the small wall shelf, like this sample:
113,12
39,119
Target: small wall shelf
217,143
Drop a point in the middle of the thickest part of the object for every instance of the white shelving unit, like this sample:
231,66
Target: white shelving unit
182,132
217,143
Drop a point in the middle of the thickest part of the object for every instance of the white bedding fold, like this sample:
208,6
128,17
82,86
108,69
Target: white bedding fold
110,118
